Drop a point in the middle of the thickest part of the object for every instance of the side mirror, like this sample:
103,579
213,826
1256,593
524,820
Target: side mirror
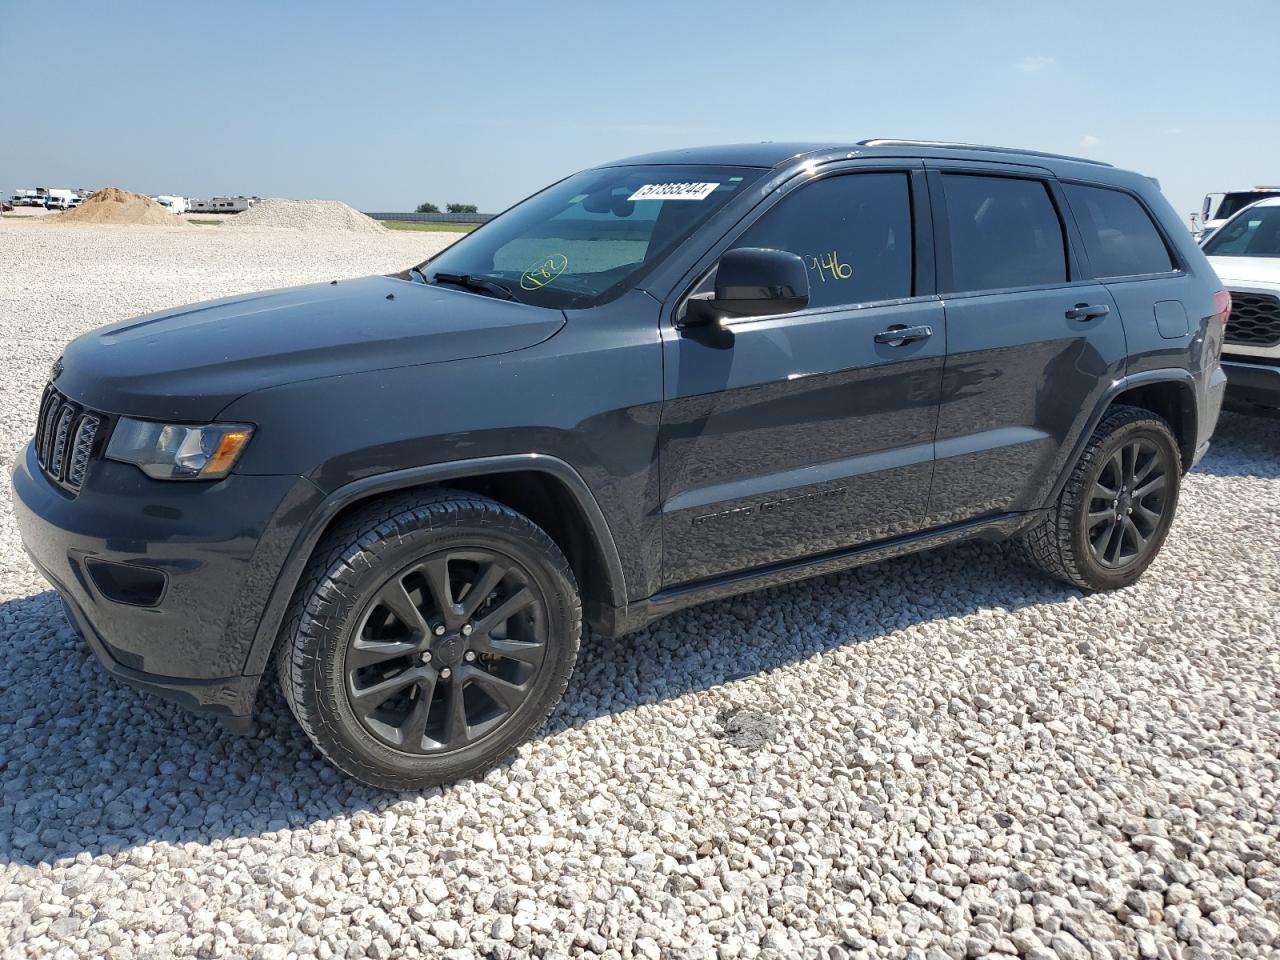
752,282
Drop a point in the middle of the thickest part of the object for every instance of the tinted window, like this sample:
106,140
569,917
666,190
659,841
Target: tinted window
1252,234
1004,233
853,232
1118,234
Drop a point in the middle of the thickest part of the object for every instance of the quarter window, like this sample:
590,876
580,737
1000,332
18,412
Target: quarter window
853,233
1118,234
1004,232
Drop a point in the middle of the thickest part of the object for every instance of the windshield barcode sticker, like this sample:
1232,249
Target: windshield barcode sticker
674,191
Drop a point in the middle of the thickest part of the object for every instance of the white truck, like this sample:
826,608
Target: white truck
59,198
173,204
1218,208
1245,252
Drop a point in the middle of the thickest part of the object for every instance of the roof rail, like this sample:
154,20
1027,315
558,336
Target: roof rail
881,142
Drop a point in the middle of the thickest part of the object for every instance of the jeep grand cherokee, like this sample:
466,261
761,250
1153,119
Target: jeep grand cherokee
656,382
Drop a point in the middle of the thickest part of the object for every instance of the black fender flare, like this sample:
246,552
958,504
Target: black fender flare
318,521
1121,385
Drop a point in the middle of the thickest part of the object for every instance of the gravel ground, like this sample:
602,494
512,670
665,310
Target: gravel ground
943,756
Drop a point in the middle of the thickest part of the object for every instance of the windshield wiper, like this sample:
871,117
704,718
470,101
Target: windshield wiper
479,284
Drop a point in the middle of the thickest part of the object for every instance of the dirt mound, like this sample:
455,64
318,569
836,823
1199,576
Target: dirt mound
113,205
325,215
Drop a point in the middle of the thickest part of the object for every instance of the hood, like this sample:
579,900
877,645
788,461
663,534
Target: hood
1264,270
189,363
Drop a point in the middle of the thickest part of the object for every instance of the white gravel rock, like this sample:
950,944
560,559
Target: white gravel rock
939,757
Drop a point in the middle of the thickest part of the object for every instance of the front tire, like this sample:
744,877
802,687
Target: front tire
1115,511
430,635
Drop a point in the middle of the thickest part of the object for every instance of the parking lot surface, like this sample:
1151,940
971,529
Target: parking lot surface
940,756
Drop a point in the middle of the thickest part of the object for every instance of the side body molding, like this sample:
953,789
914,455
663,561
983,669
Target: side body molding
315,525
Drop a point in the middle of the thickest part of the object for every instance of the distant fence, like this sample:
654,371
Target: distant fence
435,217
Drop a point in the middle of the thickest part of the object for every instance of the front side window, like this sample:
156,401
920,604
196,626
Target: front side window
853,233
582,241
1255,233
1004,232
1118,233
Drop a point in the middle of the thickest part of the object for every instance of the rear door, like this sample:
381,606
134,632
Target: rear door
1032,343
795,435
1128,252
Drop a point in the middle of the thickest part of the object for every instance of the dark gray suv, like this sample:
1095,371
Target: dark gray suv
657,382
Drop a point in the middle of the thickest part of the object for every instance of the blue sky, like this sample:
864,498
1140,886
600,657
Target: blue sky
384,105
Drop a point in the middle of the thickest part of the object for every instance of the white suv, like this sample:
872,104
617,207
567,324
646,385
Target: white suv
1245,251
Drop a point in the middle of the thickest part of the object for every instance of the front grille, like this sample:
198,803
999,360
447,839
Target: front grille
66,437
1255,320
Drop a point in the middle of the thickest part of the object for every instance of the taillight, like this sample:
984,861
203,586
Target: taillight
1222,305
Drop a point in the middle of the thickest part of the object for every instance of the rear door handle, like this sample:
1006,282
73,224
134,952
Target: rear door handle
897,335
1087,311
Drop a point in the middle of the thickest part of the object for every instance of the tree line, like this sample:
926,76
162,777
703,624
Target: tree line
448,208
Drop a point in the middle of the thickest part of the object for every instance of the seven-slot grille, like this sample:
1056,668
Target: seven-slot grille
65,437
1255,319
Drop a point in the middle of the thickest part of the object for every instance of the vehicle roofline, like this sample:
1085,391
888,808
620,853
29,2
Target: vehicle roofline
983,148
797,154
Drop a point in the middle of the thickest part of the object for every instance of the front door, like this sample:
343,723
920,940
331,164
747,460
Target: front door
1032,344
802,434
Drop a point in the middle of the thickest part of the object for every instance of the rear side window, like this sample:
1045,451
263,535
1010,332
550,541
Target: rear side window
1119,236
1004,232
853,233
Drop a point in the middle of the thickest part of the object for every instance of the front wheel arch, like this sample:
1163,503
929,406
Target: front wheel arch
589,545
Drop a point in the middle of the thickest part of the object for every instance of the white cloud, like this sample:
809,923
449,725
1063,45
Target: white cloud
1089,140
1174,131
1033,64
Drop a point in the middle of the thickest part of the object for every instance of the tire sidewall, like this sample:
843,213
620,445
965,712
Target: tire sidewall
333,612
1106,578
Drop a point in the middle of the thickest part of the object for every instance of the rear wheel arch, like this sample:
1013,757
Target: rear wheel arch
545,489
1174,401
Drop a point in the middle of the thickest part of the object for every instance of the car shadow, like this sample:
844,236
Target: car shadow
89,766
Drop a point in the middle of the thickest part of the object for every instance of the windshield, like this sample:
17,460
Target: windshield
1255,233
582,241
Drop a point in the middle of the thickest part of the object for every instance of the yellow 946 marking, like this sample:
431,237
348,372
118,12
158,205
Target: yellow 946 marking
544,271
829,264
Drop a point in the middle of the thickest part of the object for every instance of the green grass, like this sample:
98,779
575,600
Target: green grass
206,223
431,227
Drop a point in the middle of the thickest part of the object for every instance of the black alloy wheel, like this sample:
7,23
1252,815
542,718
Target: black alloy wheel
431,634
1116,507
1128,503
446,651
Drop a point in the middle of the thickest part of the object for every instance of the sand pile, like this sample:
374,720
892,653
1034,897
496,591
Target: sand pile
113,205
327,215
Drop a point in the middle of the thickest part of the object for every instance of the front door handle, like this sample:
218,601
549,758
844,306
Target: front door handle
1087,311
898,334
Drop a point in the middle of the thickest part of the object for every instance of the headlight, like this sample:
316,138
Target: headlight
174,451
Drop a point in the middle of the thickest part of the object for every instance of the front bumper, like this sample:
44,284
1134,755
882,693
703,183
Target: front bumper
1252,383
215,549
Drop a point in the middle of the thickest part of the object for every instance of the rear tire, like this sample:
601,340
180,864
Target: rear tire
429,636
1114,513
